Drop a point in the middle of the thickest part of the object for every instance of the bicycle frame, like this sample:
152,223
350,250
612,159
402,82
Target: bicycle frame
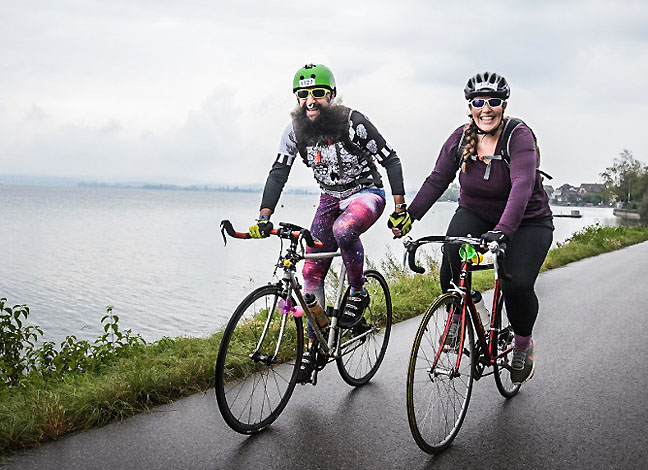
266,347
488,344
486,341
331,346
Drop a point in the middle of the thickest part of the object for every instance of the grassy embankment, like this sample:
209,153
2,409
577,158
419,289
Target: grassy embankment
160,372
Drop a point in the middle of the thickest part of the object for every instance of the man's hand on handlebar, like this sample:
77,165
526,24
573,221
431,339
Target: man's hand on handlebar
400,223
261,229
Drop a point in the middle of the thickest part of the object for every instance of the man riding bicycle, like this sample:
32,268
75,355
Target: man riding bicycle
342,147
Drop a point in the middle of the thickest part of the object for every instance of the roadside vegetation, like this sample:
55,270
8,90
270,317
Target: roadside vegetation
626,184
47,392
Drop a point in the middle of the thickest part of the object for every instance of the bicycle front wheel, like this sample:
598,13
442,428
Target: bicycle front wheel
258,360
438,392
502,366
364,346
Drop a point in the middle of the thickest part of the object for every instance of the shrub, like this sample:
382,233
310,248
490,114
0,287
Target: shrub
21,360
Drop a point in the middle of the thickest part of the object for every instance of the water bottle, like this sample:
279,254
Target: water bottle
481,309
316,310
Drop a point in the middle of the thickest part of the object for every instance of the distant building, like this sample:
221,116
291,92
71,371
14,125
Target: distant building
549,190
591,188
566,195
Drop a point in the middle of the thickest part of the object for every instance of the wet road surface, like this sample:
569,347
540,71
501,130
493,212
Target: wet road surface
586,407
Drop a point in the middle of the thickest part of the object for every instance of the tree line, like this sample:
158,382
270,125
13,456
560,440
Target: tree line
626,183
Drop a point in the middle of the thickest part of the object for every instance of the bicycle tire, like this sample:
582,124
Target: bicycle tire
437,401
251,393
502,365
360,361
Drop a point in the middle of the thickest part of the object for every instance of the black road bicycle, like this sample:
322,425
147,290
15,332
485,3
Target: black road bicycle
262,346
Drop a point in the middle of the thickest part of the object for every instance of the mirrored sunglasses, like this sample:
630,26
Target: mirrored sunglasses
316,92
492,102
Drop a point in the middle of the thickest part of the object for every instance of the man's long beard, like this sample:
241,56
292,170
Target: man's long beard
331,123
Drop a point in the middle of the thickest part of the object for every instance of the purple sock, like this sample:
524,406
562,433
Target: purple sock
522,342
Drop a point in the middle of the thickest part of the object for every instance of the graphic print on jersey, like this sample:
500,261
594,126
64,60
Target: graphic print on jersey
325,161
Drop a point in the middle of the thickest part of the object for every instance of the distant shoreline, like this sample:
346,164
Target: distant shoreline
195,187
450,195
72,183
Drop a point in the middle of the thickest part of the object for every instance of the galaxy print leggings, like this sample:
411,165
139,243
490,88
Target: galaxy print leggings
339,223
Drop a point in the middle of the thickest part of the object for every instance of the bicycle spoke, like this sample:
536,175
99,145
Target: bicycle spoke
502,368
361,359
437,393
252,385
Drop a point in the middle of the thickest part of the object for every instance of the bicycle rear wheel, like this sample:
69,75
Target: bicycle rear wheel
361,358
502,366
254,378
437,394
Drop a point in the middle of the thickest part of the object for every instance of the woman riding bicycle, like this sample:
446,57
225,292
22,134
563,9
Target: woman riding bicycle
500,199
342,147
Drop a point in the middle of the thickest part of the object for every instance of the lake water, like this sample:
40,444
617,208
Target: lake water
158,256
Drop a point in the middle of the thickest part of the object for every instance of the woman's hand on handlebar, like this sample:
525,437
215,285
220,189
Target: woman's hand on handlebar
493,236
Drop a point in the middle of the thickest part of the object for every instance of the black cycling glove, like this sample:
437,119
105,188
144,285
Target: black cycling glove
493,236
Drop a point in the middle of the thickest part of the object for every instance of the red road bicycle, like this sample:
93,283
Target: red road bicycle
447,358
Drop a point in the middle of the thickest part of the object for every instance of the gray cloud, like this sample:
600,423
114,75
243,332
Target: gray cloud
197,92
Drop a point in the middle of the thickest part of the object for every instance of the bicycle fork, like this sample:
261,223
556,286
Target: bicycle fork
269,360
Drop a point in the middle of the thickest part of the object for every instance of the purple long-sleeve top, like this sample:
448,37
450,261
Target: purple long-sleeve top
507,197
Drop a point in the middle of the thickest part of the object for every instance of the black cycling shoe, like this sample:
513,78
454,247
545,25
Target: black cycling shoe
353,310
361,327
305,370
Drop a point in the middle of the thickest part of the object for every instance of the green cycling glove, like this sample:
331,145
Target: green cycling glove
400,220
261,229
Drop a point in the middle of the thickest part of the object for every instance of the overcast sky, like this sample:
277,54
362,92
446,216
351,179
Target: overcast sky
200,91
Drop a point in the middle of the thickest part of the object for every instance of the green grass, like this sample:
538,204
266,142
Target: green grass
592,241
168,369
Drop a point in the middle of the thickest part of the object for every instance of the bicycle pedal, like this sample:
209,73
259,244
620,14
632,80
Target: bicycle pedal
320,361
361,328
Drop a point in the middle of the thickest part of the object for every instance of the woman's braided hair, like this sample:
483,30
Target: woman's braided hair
470,149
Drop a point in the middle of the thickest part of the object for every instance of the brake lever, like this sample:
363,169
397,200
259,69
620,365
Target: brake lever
407,241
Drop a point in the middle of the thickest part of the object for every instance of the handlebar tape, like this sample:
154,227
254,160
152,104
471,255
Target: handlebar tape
411,258
501,271
308,238
227,227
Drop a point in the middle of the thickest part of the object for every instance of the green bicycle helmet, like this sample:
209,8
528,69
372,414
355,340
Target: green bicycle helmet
311,75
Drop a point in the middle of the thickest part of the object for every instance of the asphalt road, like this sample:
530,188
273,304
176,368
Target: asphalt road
586,407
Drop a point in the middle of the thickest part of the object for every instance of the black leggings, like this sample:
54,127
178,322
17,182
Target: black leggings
524,257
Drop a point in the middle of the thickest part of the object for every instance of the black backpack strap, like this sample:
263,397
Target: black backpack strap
546,175
509,127
511,124
460,148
